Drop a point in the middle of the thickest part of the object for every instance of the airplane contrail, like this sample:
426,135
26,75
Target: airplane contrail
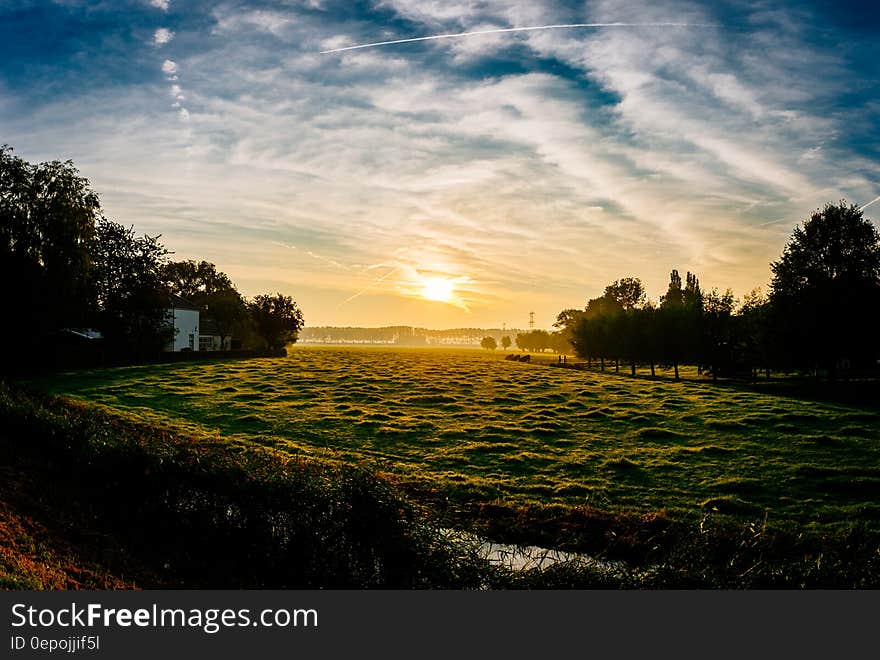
369,286
564,26
775,222
869,203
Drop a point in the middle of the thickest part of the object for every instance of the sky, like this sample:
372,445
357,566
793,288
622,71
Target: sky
459,182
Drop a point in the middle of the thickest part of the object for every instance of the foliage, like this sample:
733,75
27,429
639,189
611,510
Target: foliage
489,343
628,293
211,290
534,341
47,221
132,303
505,342
195,280
825,293
276,319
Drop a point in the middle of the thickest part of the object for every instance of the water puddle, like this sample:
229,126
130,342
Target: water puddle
524,557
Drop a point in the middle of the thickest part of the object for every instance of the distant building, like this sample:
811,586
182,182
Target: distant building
210,339
184,318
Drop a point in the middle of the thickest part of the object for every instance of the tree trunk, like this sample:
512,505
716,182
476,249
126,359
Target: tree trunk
617,365
652,369
632,368
602,363
676,370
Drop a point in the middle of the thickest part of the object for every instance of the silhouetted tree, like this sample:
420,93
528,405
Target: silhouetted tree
752,333
131,299
534,340
678,320
489,343
277,319
826,291
566,319
505,342
647,335
560,342
47,220
211,290
627,292
195,280
717,341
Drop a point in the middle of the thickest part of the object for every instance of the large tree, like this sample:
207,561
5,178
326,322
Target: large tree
716,347
277,319
211,290
47,220
628,292
195,280
825,291
132,301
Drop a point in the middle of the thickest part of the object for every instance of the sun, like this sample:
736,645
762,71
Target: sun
441,289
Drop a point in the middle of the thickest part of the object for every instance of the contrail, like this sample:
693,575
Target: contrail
369,286
774,222
565,26
869,203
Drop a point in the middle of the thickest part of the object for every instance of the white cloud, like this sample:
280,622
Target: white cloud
169,68
160,4
273,22
162,36
183,113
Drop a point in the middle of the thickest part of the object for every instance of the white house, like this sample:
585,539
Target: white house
209,339
184,318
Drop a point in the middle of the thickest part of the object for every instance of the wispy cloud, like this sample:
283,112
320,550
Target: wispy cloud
160,4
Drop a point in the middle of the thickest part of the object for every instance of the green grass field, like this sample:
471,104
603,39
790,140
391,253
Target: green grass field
476,427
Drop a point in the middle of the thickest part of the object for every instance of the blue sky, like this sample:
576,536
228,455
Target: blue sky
524,170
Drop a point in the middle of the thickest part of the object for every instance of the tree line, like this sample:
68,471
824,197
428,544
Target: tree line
64,265
820,316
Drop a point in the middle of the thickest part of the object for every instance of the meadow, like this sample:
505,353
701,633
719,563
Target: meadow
469,426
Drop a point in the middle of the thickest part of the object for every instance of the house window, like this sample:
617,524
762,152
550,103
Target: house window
206,343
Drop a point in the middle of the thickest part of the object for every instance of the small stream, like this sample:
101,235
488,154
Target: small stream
524,557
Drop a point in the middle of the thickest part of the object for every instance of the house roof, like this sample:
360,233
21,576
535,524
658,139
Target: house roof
176,302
